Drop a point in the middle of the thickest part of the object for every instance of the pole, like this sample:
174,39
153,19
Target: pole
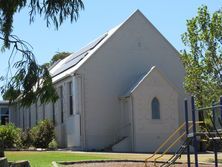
194,132
214,141
187,131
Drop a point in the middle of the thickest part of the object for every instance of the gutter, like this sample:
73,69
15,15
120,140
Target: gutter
68,75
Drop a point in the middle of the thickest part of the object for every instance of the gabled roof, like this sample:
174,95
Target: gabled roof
141,78
71,63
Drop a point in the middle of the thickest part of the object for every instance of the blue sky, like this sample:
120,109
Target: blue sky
169,17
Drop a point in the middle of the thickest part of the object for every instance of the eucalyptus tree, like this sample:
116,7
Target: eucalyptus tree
31,81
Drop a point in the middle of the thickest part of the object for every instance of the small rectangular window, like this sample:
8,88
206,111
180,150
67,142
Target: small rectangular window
4,111
61,103
19,116
70,99
29,110
23,119
36,113
53,113
43,110
4,115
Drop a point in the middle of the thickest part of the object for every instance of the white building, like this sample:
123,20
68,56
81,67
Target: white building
4,112
123,91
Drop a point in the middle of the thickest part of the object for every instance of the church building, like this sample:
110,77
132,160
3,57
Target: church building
122,91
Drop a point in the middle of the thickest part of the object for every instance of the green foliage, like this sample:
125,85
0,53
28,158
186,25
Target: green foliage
59,56
39,136
53,11
42,134
31,81
10,136
29,85
202,57
26,138
10,93
53,145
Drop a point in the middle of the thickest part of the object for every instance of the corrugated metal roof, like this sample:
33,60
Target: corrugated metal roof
142,77
137,82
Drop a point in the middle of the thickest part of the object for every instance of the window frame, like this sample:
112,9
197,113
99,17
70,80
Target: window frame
155,109
4,115
61,103
70,90
53,114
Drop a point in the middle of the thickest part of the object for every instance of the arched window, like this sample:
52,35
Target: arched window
155,108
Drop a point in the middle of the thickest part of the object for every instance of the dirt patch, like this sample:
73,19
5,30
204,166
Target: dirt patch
127,164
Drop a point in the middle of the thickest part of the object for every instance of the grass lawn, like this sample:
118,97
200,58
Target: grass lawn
44,158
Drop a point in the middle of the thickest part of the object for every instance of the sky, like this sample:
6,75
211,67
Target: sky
99,16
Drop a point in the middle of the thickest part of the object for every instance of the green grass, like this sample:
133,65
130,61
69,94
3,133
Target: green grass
44,159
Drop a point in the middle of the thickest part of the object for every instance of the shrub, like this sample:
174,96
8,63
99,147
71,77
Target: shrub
26,138
53,145
42,134
10,136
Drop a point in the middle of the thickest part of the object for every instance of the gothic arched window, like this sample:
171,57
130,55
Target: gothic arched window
155,108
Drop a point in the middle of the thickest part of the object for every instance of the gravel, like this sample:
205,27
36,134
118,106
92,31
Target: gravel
128,164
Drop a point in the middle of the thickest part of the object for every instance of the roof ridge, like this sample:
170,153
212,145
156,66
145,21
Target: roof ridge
59,67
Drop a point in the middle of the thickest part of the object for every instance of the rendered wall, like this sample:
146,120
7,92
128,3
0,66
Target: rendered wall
108,74
150,133
130,52
68,132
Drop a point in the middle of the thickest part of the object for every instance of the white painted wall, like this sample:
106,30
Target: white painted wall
150,133
73,131
68,132
135,47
